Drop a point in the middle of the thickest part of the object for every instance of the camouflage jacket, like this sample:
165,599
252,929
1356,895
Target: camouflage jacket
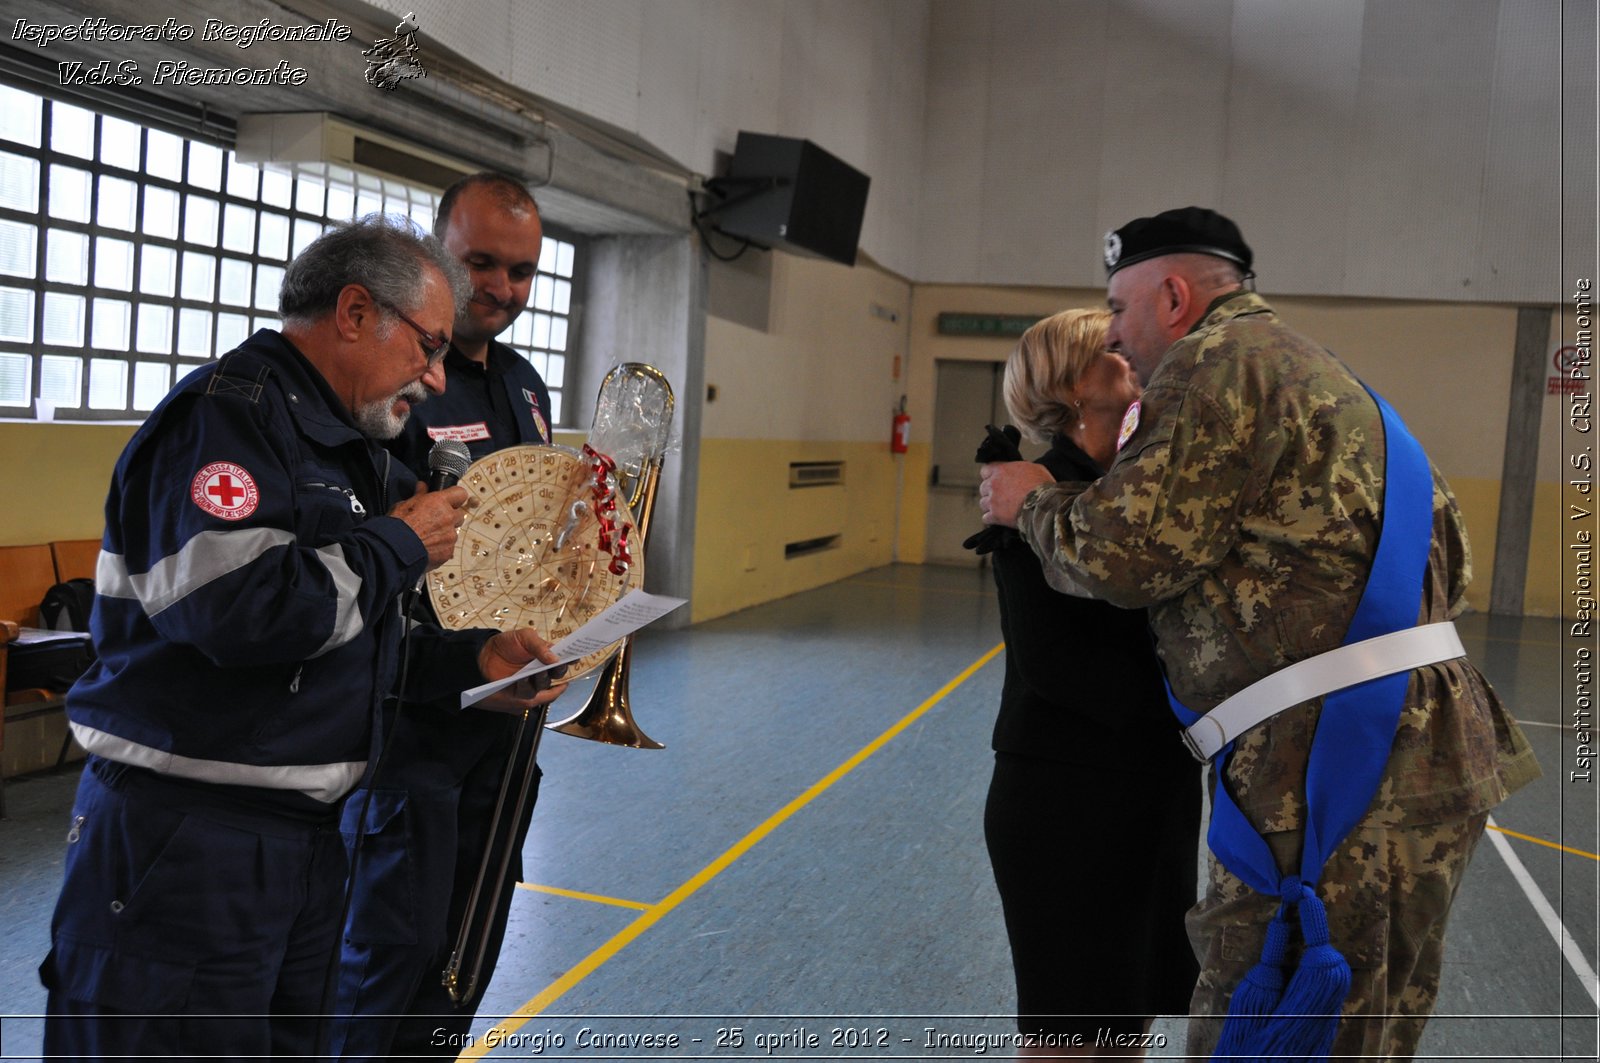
1242,514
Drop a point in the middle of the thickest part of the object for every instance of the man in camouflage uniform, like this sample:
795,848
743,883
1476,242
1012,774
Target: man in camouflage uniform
1243,512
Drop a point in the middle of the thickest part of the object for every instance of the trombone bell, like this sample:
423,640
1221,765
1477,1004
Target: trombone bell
606,716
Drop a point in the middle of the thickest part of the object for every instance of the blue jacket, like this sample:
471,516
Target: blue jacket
246,615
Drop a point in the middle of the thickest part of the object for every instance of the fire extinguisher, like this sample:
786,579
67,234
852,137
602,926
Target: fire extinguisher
900,438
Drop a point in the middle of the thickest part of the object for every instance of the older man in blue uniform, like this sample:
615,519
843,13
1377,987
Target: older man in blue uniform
435,799
247,627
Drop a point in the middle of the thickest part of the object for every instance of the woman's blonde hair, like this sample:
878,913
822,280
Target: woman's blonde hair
1044,370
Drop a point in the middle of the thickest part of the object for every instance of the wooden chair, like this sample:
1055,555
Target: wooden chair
75,558
26,573
8,633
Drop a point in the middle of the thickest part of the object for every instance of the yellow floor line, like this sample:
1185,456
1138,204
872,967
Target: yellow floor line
1548,845
652,915
575,895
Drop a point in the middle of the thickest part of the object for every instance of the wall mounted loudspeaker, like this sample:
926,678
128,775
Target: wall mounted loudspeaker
788,193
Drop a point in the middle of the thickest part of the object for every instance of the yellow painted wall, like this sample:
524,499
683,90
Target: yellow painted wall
747,513
911,544
1479,499
812,375
1567,499
53,480
1548,556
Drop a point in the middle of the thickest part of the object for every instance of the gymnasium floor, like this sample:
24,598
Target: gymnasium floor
801,872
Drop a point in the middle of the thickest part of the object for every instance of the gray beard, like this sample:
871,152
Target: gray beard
377,420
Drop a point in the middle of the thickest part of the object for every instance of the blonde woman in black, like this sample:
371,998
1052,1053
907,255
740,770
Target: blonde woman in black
1093,813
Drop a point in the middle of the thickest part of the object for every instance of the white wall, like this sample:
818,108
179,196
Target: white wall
824,365
1378,148
685,76
1390,148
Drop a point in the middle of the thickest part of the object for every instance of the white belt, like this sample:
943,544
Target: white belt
1399,651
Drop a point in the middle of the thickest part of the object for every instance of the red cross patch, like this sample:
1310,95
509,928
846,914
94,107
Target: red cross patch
225,490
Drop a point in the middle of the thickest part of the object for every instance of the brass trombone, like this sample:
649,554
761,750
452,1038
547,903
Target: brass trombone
632,423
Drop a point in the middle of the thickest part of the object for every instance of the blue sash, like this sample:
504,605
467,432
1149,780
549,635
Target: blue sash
1345,767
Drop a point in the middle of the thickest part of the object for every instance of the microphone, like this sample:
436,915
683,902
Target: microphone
448,461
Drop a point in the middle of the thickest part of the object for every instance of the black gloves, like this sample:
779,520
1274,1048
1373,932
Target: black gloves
998,445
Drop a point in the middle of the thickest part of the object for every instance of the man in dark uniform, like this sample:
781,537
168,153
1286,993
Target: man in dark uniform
436,796
495,399
247,627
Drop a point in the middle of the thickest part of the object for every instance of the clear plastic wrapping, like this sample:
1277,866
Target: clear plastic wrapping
633,419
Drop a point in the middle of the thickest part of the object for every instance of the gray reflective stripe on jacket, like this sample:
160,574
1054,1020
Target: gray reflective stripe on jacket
323,782
212,555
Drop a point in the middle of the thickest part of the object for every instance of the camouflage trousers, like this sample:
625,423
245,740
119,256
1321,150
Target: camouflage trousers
1388,892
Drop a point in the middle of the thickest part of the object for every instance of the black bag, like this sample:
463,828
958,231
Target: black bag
66,605
55,666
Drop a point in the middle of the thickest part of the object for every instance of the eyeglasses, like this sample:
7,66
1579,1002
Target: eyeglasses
433,346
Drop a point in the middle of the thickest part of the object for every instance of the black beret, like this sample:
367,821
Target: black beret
1189,229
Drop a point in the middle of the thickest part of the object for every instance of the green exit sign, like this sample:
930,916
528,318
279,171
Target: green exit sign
986,324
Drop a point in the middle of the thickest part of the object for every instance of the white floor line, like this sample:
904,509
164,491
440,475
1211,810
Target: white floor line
1552,921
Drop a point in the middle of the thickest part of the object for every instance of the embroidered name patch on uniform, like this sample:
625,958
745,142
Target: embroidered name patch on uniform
465,433
225,490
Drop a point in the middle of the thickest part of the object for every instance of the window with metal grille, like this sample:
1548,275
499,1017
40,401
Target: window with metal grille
130,255
541,334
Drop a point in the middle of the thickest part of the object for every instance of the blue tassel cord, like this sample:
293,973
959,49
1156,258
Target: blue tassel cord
1298,1021
1315,995
1255,1000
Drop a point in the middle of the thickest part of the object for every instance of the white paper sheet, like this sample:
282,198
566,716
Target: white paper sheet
635,609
